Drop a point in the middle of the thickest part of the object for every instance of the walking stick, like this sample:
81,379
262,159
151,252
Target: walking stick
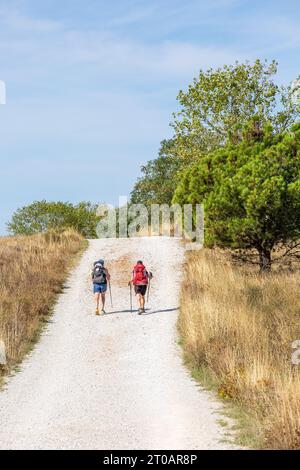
111,303
130,288
149,285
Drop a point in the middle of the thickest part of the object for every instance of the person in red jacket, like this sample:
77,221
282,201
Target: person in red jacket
140,280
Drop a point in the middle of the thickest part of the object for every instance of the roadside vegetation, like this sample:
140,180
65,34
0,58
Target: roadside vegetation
236,150
237,330
42,216
32,270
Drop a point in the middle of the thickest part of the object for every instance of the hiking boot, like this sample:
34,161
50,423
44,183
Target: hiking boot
103,311
97,311
140,311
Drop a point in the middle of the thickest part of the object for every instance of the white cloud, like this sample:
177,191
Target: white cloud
167,59
13,19
134,15
113,55
53,46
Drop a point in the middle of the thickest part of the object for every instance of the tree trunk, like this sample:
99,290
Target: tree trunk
265,260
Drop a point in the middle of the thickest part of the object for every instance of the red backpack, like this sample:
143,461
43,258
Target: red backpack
140,275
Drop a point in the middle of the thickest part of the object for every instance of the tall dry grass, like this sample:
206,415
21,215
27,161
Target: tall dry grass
32,272
238,327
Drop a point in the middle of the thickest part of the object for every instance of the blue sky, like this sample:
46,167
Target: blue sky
92,84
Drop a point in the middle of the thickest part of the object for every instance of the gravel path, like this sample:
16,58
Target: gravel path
116,381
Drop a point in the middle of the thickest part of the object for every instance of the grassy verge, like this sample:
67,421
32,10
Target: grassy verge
237,330
32,271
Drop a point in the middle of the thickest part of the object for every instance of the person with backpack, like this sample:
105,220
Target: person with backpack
100,277
140,280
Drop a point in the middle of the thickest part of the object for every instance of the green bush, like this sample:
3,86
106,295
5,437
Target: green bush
42,216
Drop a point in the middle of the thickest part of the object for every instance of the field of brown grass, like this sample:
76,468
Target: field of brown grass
237,330
32,272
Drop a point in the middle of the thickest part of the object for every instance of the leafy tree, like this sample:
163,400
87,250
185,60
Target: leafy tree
86,218
159,177
219,103
41,216
251,193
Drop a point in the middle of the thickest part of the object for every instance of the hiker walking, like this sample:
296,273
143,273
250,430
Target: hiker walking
140,280
100,277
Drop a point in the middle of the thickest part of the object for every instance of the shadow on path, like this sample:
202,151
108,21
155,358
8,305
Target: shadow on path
119,311
148,311
152,312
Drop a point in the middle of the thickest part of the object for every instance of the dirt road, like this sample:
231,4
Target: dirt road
115,381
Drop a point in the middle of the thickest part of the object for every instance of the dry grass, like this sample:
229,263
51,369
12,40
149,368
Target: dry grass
32,271
238,327
121,270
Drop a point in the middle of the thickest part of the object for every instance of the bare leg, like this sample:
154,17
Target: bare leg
142,302
97,298
103,300
139,298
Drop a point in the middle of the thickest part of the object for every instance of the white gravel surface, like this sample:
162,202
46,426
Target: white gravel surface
115,381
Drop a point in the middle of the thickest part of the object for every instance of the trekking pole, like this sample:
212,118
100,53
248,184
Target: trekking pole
110,294
149,285
130,289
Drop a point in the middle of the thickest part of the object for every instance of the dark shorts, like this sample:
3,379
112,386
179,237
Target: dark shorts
100,288
140,289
